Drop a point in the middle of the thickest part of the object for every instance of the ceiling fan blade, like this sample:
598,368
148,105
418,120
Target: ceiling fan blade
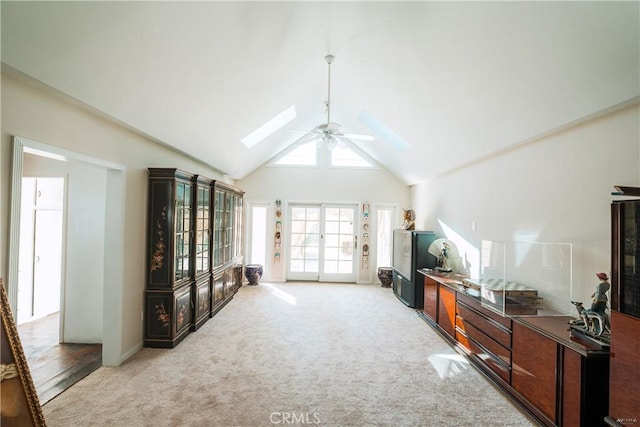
299,130
358,136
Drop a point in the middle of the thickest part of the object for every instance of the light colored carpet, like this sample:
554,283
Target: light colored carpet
294,354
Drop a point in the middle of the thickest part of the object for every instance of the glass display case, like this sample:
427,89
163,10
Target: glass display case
203,227
626,260
525,278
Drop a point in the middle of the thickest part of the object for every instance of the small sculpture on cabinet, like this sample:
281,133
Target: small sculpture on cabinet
599,297
594,322
409,216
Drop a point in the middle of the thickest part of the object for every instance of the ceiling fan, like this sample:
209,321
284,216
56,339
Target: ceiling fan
329,132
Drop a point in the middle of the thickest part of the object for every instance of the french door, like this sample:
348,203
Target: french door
322,243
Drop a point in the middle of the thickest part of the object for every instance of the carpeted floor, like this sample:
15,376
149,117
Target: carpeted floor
294,354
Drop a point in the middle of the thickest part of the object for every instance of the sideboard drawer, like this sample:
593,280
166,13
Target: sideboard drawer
482,355
496,349
476,305
496,331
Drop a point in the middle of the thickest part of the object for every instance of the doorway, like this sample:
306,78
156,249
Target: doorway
322,242
102,204
384,217
41,229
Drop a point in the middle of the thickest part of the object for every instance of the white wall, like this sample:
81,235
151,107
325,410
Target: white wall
324,185
35,114
556,189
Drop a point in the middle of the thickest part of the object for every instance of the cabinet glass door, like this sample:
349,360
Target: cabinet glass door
228,228
218,244
183,231
202,230
630,260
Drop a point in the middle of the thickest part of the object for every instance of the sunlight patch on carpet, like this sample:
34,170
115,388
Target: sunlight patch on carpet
285,296
448,365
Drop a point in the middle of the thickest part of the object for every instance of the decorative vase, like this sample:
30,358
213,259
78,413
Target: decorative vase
253,273
385,274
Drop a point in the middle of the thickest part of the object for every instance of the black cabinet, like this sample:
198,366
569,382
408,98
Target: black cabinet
194,247
410,253
168,305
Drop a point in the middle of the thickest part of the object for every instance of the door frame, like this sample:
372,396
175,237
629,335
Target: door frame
114,237
320,276
248,243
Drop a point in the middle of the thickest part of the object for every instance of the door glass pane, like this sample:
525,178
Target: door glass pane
311,266
331,254
338,242
332,227
297,265
345,267
330,266
305,238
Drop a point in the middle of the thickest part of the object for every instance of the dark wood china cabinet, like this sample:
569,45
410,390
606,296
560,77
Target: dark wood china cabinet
227,244
624,398
186,253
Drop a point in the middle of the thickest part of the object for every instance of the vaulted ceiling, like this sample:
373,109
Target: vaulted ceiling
438,84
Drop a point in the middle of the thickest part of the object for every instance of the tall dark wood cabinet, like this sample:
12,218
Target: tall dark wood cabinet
227,244
624,378
168,306
194,253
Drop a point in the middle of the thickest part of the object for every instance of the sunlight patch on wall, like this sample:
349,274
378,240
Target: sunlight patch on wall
469,254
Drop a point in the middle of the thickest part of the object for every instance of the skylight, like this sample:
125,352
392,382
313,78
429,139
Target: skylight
270,127
383,132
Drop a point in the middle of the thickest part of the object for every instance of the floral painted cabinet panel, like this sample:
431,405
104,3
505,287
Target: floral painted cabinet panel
168,317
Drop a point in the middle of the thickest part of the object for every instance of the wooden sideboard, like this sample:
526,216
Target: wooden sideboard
556,379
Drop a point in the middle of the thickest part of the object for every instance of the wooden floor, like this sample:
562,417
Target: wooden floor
55,367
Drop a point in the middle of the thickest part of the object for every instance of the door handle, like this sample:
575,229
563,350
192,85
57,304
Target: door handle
355,242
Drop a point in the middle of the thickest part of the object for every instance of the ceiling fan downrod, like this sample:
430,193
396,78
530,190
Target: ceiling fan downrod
329,59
